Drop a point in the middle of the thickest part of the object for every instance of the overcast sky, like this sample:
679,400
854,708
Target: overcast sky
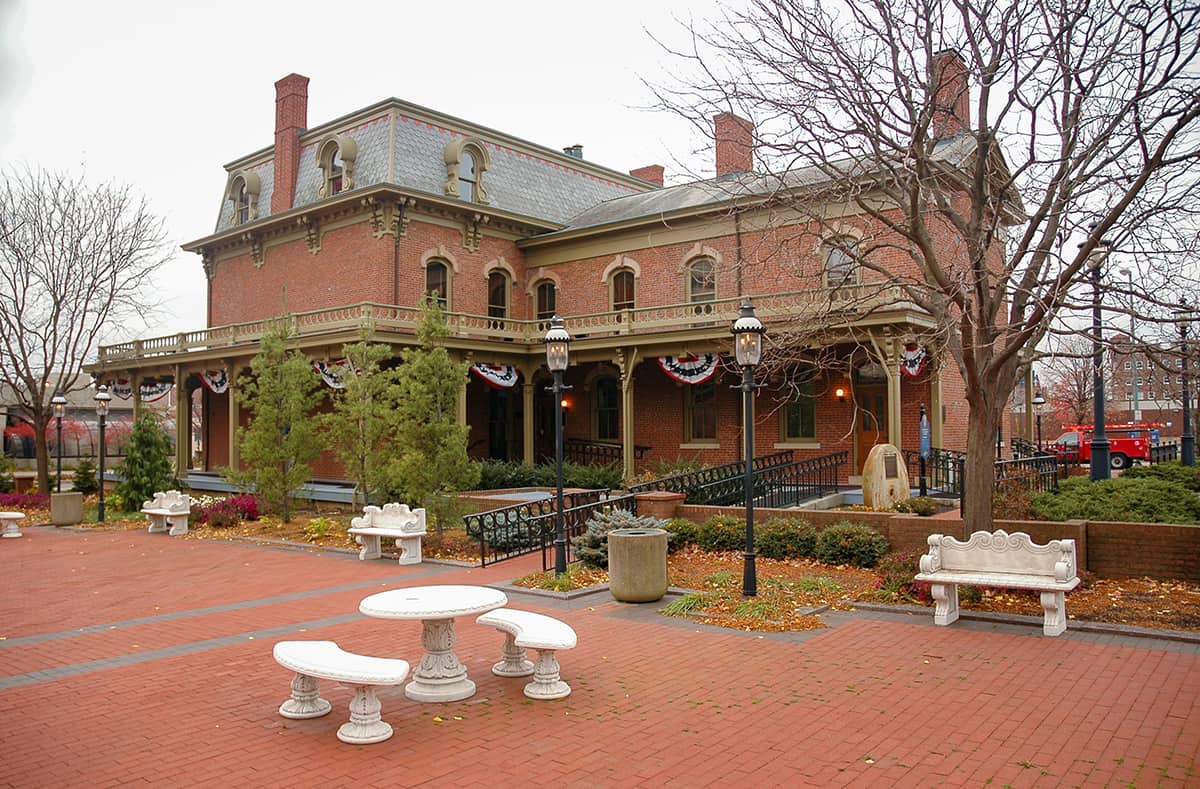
162,94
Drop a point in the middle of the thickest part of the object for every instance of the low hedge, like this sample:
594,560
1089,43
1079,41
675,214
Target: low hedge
1136,499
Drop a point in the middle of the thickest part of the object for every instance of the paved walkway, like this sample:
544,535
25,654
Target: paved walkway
130,658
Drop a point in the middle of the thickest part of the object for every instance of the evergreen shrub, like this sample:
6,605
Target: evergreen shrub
851,543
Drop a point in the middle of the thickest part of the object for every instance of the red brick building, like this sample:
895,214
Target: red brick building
343,225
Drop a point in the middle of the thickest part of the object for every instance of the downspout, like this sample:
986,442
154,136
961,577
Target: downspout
737,234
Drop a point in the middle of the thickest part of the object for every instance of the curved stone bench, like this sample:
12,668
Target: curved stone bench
316,660
525,629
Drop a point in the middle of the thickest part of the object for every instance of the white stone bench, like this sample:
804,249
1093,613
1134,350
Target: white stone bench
392,521
168,511
999,559
525,629
316,660
11,521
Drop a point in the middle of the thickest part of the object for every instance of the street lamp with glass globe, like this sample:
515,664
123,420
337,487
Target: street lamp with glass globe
747,333
558,342
60,406
1039,403
1187,443
102,398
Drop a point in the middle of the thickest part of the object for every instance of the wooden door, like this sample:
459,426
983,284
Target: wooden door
871,424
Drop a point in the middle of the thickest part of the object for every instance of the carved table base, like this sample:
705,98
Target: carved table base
440,676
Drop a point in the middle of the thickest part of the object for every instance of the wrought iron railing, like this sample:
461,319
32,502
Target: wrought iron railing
783,484
689,481
516,530
1162,453
368,317
1037,474
943,470
575,521
597,453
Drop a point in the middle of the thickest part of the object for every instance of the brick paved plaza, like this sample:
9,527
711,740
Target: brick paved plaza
137,659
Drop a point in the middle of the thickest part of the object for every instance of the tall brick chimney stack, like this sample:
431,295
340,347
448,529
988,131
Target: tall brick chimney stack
652,172
951,94
735,144
291,118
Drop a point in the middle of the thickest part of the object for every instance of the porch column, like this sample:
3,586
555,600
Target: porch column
935,404
231,375
183,423
626,362
893,399
468,357
135,381
527,418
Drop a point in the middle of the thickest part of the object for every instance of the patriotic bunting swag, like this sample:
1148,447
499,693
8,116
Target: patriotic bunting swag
913,360
689,369
333,373
215,381
122,389
498,377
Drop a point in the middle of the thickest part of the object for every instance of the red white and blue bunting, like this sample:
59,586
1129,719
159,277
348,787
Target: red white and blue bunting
215,381
689,369
333,373
913,360
497,376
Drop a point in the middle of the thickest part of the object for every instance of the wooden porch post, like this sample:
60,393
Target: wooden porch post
183,423
231,375
527,419
626,362
892,366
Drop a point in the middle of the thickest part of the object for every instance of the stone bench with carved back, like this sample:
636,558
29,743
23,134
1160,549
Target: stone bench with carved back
1000,560
392,521
168,512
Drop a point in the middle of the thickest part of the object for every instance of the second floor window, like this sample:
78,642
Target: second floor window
497,295
622,290
547,300
841,270
437,283
702,280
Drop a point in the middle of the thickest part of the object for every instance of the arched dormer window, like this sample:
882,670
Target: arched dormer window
547,299
437,282
622,289
335,156
466,162
243,191
841,262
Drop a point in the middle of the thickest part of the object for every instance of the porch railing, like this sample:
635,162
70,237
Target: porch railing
783,484
689,481
516,530
597,453
1039,473
943,470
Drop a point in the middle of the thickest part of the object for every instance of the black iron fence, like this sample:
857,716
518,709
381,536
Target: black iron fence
689,481
575,521
1037,473
1162,453
943,470
782,484
597,453
516,530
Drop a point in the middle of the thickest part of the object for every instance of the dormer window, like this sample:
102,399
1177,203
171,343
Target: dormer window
242,191
335,156
466,162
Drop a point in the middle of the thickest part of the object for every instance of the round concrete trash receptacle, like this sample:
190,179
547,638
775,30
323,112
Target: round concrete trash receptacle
637,564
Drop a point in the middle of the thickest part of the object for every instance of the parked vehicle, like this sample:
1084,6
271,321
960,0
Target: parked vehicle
1128,443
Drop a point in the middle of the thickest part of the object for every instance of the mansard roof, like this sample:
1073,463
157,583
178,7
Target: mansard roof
403,145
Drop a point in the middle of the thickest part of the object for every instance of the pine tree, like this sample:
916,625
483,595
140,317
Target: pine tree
431,462
281,438
147,466
357,428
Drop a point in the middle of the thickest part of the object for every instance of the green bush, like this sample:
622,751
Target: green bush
851,543
681,532
917,505
1135,500
85,477
499,474
6,477
783,538
722,533
147,466
591,547
1174,472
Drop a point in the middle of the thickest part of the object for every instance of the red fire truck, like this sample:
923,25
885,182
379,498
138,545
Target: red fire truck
1127,443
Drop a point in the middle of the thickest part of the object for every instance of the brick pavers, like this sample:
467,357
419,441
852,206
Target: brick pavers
132,658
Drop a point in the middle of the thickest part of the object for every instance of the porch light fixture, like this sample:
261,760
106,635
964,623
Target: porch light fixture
840,393
60,406
747,333
102,397
558,342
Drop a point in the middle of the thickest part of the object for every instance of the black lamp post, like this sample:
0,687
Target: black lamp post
747,333
1039,403
1187,444
558,341
1100,458
60,405
102,397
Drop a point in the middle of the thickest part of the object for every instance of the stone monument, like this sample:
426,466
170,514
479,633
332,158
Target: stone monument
884,477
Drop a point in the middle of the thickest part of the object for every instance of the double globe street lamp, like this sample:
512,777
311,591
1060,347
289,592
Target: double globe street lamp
747,333
558,342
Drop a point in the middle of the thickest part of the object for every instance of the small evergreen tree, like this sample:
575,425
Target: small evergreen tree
281,438
147,466
6,470
85,477
431,462
357,428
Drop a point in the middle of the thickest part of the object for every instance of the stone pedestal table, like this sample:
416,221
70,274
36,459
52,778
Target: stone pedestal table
440,675
8,523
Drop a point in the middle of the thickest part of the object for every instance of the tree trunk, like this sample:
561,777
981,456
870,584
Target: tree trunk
979,476
42,450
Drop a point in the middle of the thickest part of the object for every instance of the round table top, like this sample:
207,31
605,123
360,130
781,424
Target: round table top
12,515
432,602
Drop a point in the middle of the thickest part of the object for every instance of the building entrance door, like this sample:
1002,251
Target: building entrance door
871,425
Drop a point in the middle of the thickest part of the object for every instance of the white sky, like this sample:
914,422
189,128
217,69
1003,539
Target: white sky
161,94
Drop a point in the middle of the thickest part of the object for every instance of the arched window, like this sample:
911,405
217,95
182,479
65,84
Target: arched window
841,267
547,300
242,205
702,280
607,408
468,176
497,295
243,192
437,282
622,290
466,161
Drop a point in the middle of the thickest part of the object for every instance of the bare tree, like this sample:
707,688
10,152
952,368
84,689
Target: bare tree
991,146
1069,378
75,260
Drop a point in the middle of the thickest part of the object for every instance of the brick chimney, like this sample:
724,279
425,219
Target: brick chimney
291,118
951,94
651,172
735,144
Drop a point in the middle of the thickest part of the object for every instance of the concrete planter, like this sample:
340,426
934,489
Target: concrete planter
66,509
637,564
